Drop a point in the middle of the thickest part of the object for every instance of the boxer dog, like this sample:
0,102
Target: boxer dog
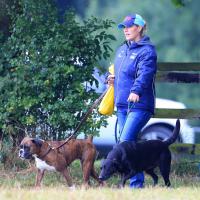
47,157
129,158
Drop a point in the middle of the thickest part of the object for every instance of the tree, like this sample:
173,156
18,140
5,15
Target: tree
79,6
45,69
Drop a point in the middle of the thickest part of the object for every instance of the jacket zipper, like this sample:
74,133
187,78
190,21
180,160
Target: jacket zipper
153,88
119,73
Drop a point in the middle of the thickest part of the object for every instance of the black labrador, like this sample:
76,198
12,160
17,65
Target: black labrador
128,158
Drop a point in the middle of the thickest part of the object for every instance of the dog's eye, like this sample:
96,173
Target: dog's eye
24,147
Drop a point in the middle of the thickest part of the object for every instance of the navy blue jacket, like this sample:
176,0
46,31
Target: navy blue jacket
135,69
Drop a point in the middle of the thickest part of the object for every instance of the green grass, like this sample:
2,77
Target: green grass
59,193
185,182
182,174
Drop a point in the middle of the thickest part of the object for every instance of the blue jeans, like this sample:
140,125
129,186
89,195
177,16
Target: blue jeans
129,126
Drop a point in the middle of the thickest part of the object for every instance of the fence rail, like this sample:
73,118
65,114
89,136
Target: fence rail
174,66
186,73
177,113
178,73
166,76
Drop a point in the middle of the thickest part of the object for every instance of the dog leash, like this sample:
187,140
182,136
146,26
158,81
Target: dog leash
50,148
128,111
97,101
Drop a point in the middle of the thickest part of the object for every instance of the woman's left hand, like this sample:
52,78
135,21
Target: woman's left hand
133,97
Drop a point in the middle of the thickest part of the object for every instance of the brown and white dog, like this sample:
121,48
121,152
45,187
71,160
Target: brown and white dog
52,159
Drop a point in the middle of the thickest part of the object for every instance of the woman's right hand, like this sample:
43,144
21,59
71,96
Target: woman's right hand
110,79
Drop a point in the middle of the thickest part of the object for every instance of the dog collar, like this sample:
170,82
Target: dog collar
47,152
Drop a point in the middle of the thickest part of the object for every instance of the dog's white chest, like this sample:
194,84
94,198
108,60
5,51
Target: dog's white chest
42,165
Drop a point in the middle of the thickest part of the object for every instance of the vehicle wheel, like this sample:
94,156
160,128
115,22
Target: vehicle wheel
155,133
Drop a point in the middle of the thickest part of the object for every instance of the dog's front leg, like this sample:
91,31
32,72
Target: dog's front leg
125,177
95,176
39,176
122,182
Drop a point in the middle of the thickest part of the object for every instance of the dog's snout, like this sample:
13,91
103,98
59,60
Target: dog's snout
102,178
21,152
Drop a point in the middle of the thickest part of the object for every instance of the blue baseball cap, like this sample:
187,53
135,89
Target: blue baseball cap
131,20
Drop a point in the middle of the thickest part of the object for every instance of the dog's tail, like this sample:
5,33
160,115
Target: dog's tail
175,134
90,138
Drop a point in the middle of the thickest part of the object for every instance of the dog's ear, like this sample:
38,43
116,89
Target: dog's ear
37,142
116,163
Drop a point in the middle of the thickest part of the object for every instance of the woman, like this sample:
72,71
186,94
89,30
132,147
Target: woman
135,69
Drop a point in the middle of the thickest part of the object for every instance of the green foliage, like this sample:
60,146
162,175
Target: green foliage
185,168
178,3
45,67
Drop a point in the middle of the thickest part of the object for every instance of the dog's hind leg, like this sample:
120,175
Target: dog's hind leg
153,175
125,177
96,177
165,165
86,168
165,175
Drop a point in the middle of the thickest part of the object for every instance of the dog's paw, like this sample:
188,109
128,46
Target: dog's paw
103,184
120,186
72,188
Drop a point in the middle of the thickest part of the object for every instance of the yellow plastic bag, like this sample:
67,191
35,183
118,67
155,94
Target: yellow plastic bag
106,106
111,69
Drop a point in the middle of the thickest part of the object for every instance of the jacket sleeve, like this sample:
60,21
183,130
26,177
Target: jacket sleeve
146,70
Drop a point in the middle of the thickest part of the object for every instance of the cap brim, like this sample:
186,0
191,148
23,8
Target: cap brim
121,26
125,24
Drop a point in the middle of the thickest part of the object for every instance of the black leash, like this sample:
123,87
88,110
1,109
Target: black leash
97,101
130,105
79,125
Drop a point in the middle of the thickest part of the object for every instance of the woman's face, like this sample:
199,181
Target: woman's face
132,33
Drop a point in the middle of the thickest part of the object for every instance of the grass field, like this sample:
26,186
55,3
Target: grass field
59,193
20,186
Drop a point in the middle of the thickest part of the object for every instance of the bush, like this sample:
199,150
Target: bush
46,68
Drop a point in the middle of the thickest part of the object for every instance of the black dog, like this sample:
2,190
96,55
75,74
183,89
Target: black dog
130,158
